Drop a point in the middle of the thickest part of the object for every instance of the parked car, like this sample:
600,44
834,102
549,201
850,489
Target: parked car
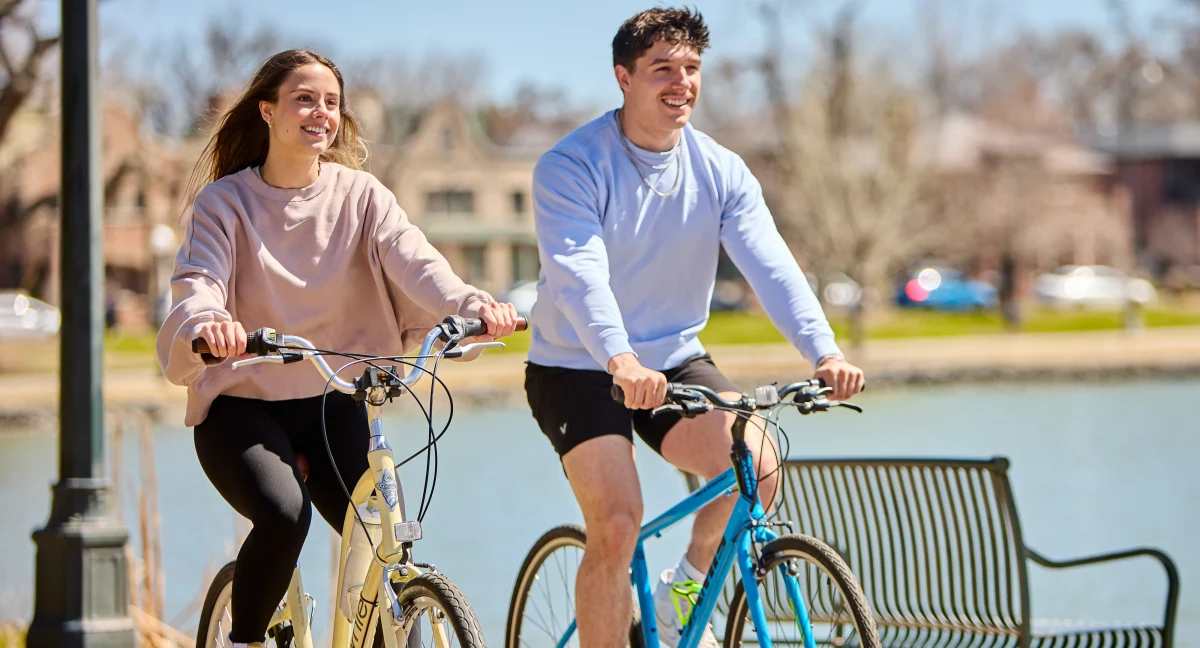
25,318
522,295
1094,286
944,288
837,290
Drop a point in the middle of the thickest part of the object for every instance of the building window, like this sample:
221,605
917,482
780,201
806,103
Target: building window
518,203
525,263
476,264
450,202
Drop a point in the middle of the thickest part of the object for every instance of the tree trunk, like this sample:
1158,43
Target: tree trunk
1010,306
858,324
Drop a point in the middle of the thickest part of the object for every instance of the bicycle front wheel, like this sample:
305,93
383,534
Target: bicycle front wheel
216,617
542,608
821,581
437,614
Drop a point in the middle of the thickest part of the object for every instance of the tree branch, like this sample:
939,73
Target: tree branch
7,7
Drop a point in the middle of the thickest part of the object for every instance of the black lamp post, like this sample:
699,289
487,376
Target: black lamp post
81,595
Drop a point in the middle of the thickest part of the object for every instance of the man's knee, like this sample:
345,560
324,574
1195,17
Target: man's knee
612,535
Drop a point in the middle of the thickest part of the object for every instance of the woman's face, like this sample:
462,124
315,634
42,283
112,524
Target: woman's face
306,117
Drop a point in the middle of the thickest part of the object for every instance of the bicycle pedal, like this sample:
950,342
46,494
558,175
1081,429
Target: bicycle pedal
409,531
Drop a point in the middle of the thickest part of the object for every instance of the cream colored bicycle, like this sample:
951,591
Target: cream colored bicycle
376,563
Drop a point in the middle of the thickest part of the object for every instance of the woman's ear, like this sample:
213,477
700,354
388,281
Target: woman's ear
266,109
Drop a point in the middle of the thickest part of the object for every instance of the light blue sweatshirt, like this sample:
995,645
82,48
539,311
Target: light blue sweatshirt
624,269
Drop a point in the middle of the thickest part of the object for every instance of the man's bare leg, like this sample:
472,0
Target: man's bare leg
605,481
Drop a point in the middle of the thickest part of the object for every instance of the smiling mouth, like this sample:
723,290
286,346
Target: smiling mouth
314,130
677,102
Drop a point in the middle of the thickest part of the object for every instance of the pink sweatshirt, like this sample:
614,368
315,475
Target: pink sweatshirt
337,262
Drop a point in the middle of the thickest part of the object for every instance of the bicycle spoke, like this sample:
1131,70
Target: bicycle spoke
836,617
548,609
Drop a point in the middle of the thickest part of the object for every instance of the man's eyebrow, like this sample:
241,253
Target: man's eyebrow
690,59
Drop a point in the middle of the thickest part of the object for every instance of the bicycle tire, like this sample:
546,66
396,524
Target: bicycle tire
216,592
443,593
777,553
560,537
220,592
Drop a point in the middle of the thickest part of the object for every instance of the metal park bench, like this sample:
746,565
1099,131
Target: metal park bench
937,546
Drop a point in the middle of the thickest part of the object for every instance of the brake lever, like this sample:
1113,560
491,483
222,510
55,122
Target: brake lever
850,406
269,359
686,409
460,351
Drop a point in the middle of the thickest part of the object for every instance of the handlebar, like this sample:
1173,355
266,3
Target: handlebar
255,342
265,342
692,400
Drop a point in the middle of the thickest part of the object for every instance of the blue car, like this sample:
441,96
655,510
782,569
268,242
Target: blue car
946,289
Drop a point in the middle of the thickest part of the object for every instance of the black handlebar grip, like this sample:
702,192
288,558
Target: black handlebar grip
473,326
821,383
618,394
255,343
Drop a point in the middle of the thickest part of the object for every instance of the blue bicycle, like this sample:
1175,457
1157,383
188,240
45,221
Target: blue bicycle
803,593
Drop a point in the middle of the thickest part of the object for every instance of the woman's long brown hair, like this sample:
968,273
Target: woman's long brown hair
241,137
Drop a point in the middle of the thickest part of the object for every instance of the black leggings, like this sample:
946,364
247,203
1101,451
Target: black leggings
248,449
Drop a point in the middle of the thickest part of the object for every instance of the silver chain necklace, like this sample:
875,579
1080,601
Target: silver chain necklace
678,160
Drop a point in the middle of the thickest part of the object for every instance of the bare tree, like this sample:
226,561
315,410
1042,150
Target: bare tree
180,91
850,186
23,53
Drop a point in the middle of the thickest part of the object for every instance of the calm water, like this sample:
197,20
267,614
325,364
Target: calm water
1094,469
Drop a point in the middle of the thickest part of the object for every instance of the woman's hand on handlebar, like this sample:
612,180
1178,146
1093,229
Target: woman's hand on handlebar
500,319
225,339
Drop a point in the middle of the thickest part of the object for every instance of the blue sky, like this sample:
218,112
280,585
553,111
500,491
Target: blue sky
558,43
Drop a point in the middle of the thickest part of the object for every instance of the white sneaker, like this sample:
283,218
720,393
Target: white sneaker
674,600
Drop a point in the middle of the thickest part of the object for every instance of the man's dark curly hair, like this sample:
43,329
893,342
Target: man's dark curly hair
640,32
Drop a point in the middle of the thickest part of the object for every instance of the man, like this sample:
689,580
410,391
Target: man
631,211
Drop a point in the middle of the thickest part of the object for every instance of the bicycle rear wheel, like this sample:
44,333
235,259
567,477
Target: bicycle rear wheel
216,617
837,608
542,607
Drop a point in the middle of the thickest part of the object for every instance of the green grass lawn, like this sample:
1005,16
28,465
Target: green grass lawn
756,328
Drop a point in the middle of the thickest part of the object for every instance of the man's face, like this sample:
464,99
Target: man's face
662,87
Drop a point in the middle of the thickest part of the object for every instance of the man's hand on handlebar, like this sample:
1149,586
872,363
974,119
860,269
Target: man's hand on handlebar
845,379
644,388
500,319
224,339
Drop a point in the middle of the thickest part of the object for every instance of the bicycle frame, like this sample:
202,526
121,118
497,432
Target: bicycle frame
742,530
391,557
392,562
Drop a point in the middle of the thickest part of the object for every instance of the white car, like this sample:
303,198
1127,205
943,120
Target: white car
522,295
1092,286
25,318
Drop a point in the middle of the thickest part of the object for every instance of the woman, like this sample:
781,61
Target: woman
291,234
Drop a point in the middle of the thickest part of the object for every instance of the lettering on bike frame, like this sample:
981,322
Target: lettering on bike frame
362,617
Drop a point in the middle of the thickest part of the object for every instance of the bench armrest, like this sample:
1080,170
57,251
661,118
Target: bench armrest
1163,559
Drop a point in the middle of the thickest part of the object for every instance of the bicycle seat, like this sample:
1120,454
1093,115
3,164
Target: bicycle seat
302,465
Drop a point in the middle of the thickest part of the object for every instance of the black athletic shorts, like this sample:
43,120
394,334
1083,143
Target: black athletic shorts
575,405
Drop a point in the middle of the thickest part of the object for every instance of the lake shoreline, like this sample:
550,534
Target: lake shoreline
28,403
